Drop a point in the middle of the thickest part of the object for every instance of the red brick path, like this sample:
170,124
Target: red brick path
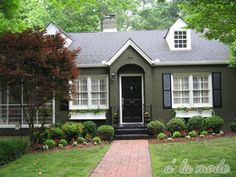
125,158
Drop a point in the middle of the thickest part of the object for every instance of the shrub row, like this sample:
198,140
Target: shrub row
73,131
215,123
11,149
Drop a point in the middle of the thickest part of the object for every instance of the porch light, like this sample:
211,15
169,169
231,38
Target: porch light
113,76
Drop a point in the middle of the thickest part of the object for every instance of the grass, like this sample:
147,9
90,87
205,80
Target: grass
209,152
67,163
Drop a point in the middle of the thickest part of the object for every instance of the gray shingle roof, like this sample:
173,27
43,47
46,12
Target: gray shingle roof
100,46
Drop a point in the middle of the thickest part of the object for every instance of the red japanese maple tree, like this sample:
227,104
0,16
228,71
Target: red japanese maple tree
38,63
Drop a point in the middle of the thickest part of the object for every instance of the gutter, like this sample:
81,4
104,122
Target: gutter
162,63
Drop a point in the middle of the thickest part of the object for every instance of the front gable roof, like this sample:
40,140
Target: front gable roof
129,43
99,48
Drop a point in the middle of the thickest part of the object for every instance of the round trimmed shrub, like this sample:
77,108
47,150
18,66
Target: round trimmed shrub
232,126
176,124
50,143
63,141
193,133
215,122
80,140
89,128
161,136
56,133
204,132
97,140
155,127
106,132
176,134
196,123
72,130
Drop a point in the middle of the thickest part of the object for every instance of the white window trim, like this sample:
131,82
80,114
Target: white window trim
181,48
120,97
24,123
190,76
89,88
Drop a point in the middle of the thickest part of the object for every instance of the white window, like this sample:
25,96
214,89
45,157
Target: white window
181,90
191,90
91,93
11,112
180,39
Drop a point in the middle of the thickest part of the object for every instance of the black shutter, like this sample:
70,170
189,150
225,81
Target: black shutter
166,90
216,90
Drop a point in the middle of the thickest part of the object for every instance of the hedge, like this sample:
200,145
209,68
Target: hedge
11,149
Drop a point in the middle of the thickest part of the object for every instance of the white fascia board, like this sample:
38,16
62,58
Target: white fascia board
91,65
164,63
124,47
52,29
177,63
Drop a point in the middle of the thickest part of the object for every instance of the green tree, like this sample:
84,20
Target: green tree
214,18
154,15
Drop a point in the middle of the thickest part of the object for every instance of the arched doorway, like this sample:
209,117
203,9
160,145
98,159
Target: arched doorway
131,94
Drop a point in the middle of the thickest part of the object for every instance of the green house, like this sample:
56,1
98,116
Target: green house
128,78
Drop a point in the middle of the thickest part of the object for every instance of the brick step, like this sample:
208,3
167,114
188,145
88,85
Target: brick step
131,131
131,136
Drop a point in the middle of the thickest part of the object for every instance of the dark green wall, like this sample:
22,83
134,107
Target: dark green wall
228,76
153,84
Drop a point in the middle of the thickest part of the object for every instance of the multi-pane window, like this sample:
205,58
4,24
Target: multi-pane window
200,90
191,90
99,91
180,39
81,96
11,111
181,90
91,92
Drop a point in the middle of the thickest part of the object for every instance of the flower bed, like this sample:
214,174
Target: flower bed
197,138
72,135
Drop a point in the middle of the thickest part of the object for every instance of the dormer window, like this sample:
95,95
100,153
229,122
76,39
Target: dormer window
180,39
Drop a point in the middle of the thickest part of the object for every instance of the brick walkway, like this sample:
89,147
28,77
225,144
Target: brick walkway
125,158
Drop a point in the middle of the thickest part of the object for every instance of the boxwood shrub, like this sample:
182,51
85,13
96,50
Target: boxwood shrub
11,149
214,122
155,127
63,141
176,124
193,133
106,132
161,136
56,133
196,123
89,128
232,126
72,130
176,134
50,142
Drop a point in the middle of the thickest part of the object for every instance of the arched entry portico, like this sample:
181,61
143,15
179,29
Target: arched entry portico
131,94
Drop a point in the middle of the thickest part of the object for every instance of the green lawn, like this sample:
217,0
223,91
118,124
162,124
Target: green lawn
209,152
71,163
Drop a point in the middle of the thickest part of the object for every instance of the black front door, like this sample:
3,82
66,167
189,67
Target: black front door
131,99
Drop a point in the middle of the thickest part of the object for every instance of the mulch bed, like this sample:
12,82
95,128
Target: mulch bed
38,148
198,138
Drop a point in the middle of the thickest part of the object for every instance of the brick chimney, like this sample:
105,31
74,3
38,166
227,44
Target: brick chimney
109,24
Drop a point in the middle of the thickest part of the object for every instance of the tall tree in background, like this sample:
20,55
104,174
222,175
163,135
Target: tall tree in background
9,16
152,15
216,19
38,63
